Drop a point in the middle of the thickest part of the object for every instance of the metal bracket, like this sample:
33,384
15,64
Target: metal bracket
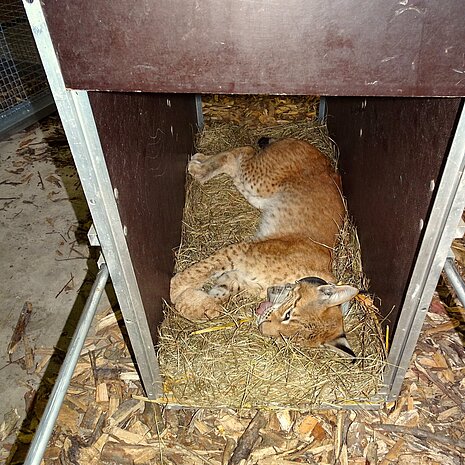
101,261
460,229
93,237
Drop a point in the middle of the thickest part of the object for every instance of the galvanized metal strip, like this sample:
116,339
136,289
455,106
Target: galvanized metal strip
79,125
199,111
440,231
322,109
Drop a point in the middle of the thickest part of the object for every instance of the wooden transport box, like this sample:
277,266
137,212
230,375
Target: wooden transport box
125,76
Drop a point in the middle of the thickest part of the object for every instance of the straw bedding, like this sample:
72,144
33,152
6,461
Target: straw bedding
227,362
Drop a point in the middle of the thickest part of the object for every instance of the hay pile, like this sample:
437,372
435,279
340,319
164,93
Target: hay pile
227,362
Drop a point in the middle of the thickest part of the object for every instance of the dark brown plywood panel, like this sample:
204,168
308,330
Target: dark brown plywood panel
391,156
146,139
317,47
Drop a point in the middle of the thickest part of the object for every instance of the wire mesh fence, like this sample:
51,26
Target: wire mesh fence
24,92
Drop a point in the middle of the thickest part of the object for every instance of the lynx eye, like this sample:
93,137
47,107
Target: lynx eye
287,315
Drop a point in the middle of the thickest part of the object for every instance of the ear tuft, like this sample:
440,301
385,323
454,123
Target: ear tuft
336,295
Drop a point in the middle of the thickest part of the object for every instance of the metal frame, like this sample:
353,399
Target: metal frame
440,231
79,125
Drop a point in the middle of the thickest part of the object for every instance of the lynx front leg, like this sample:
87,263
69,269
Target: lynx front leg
197,305
187,292
188,297
203,167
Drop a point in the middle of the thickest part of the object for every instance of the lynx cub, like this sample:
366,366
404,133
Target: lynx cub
288,262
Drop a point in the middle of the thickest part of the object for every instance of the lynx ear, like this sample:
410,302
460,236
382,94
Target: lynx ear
334,295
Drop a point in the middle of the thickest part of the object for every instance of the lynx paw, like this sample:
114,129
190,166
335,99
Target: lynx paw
196,305
198,167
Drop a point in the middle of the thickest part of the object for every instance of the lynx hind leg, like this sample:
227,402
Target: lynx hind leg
204,168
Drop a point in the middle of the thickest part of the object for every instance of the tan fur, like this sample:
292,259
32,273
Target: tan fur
299,196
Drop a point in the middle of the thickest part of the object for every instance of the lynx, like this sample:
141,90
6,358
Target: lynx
288,262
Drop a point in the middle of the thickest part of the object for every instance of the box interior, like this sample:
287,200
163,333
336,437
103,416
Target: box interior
391,155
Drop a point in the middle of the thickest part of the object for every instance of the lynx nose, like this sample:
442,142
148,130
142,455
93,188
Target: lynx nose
273,291
277,294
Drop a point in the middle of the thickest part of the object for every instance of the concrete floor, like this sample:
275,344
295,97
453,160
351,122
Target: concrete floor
45,258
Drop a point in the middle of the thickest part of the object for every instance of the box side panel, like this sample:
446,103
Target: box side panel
391,156
146,139
440,231
262,46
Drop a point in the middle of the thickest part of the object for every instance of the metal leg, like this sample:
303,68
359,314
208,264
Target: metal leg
455,279
44,431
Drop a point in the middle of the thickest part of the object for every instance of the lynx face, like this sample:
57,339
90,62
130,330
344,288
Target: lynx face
308,310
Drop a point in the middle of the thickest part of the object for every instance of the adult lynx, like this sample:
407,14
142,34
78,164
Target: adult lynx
289,260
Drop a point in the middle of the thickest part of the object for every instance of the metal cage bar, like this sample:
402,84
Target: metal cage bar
24,92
